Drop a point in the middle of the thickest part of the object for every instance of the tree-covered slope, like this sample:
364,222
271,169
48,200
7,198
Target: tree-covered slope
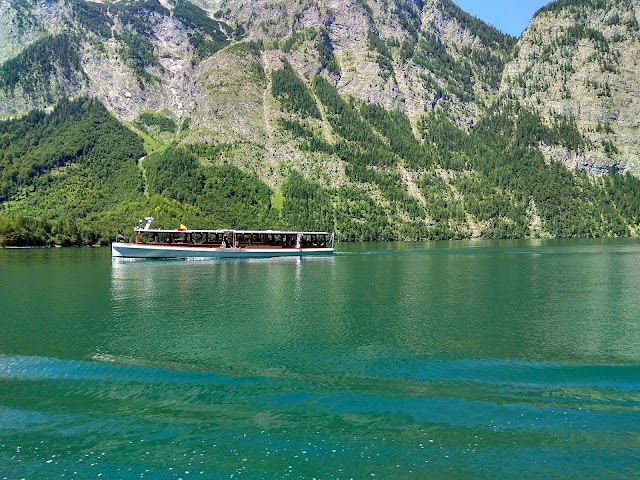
76,176
68,164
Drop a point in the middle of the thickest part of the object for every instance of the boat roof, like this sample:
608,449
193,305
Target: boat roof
226,230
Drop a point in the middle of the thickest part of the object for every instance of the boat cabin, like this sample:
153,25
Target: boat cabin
233,238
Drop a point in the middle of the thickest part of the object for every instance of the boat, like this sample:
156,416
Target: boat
187,243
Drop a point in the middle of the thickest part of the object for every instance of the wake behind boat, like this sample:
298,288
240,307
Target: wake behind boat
226,243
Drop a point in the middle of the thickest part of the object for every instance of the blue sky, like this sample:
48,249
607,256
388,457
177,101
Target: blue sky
509,16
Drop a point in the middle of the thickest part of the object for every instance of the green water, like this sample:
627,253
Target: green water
440,360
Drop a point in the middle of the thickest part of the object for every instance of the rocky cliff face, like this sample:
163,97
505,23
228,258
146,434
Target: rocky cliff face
399,54
209,63
130,66
580,59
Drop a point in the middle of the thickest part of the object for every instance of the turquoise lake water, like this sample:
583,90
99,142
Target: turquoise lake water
446,360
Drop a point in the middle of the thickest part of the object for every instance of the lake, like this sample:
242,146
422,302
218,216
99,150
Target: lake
444,360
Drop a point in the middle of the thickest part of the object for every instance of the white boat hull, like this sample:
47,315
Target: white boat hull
137,250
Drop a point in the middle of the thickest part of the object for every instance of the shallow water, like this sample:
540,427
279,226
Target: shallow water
432,360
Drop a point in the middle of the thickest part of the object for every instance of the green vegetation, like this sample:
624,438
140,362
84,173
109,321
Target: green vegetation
136,47
252,47
569,203
489,34
395,126
325,53
37,65
384,58
174,174
457,75
38,150
72,178
93,17
343,117
562,4
233,198
312,141
156,120
359,218
207,35
64,166
292,92
306,204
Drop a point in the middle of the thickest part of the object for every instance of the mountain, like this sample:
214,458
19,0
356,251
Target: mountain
144,55
380,119
579,59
